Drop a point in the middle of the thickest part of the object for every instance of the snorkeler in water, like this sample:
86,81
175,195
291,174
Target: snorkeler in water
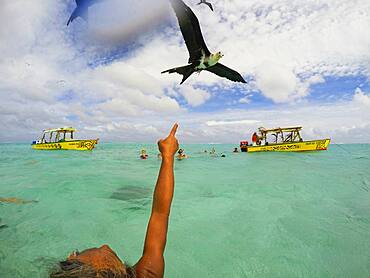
181,155
143,154
103,261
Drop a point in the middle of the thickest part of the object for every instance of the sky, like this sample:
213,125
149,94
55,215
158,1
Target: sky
307,63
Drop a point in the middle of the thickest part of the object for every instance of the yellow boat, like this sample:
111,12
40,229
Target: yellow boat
286,139
57,139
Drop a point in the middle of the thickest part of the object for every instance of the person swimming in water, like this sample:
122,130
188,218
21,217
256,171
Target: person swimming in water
235,150
181,154
103,262
143,154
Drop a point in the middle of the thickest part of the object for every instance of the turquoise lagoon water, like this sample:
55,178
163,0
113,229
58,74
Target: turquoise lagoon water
245,215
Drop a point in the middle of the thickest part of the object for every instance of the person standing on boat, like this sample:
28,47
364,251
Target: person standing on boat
104,262
255,139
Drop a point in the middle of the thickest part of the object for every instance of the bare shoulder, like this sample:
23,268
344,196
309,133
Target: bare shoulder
150,266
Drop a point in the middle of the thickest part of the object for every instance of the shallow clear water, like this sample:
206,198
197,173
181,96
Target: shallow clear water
245,215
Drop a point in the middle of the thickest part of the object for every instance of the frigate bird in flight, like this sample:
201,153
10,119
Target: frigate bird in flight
200,57
82,9
207,3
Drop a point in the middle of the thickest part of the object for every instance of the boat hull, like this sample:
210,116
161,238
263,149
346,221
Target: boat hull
77,145
314,145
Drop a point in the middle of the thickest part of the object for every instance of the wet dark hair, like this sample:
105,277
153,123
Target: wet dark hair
76,269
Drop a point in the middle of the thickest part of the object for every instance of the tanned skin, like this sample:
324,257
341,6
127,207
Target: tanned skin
151,264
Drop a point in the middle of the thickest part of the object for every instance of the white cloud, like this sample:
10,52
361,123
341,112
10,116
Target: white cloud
276,82
193,96
232,122
361,98
280,84
245,100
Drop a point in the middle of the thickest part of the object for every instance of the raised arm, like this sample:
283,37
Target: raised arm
151,264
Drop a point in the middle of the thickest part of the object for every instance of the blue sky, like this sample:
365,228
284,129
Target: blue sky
337,88
307,63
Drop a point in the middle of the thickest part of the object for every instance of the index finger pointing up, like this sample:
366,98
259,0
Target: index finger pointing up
174,129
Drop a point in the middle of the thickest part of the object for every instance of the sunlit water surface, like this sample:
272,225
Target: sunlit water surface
245,215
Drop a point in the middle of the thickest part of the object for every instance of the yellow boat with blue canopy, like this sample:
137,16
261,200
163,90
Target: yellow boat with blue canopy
63,139
287,139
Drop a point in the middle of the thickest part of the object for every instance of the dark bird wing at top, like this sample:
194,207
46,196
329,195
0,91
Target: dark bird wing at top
190,29
76,13
82,9
207,3
224,71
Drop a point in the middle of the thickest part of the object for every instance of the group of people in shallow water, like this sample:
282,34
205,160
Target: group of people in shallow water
181,154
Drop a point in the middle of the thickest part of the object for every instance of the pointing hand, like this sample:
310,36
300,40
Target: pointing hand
169,146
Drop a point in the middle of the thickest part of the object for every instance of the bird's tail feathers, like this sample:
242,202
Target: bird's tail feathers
185,71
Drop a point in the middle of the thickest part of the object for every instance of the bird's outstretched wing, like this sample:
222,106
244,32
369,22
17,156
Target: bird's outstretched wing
190,29
224,71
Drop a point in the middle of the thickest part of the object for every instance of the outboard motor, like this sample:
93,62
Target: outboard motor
244,146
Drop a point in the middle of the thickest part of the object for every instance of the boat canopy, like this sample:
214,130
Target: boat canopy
61,129
285,134
279,129
53,135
